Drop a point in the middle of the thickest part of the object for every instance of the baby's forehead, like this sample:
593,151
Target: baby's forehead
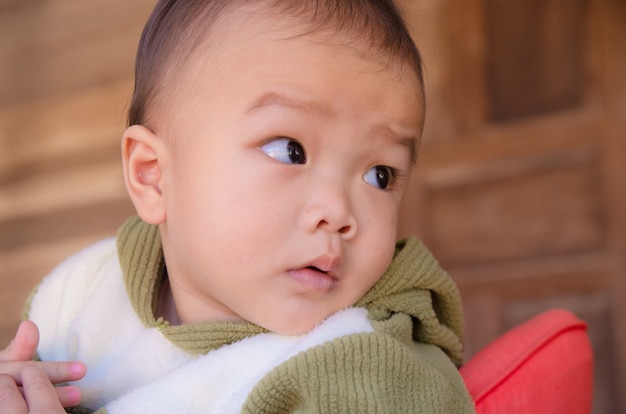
176,37
346,23
284,26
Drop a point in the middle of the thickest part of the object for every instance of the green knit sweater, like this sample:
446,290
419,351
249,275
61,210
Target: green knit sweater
406,365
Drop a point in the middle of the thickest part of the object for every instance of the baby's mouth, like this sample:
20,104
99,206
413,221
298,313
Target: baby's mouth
317,269
315,278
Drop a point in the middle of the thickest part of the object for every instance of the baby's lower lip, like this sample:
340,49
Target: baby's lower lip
312,278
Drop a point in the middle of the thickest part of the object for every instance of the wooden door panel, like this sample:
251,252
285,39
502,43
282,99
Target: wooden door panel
535,61
553,209
521,183
65,80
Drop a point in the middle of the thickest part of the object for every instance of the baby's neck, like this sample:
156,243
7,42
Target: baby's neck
166,308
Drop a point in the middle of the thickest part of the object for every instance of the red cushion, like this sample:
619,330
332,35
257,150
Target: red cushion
544,365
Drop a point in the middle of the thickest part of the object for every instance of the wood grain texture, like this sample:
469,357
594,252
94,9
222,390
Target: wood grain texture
65,81
521,193
50,47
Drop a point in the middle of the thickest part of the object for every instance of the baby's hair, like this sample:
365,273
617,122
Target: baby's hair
176,27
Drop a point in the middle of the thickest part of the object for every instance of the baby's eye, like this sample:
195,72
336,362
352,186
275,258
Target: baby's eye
380,177
285,150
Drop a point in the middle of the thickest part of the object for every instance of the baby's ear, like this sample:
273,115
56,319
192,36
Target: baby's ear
142,153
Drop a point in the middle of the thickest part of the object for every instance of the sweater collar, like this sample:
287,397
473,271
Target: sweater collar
141,259
413,285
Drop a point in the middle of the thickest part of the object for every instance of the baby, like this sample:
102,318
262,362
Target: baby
268,150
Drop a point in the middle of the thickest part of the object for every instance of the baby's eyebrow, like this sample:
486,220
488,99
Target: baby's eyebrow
407,143
402,136
271,99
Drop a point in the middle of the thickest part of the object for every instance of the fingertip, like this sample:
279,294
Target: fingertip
27,334
27,323
70,397
79,369
30,330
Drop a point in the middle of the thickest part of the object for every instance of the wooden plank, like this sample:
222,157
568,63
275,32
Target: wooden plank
582,271
511,166
541,71
614,45
538,136
53,46
63,127
539,213
62,189
76,220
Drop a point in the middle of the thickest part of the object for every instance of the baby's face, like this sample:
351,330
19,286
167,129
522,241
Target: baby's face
285,179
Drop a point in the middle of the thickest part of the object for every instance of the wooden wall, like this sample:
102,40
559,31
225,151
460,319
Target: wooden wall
65,78
520,191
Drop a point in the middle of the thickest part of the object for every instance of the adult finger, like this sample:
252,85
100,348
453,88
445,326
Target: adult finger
11,400
23,347
39,393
